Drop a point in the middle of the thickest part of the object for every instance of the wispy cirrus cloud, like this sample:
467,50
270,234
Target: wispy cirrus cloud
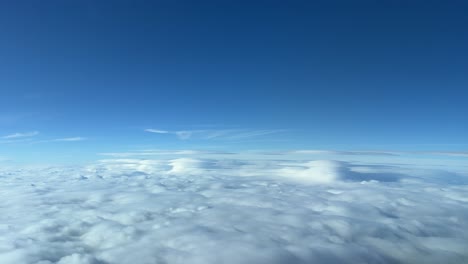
67,139
181,134
366,152
30,140
332,152
157,131
148,153
13,141
213,134
70,139
21,135
446,153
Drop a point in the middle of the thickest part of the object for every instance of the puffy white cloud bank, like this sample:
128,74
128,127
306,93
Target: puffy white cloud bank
232,211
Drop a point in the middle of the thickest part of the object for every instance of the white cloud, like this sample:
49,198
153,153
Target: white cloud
446,153
13,141
222,134
27,137
21,135
250,134
366,153
148,153
157,131
184,134
333,152
70,139
191,210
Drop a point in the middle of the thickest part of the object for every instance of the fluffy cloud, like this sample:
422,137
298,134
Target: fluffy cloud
189,210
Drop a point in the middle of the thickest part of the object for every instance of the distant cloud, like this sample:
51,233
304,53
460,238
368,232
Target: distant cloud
13,141
333,152
447,153
69,139
21,135
157,131
254,133
181,134
366,153
146,153
221,134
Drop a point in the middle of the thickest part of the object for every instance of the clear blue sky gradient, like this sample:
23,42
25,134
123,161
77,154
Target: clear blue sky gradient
326,74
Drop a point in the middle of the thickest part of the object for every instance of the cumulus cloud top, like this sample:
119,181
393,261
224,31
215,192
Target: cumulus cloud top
191,210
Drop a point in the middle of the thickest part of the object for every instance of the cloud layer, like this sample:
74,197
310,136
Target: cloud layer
189,210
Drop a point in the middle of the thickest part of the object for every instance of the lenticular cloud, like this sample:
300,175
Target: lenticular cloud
232,211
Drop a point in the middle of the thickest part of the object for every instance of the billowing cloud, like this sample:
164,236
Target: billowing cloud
193,210
21,135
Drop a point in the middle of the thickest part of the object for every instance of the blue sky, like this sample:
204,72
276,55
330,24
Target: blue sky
79,78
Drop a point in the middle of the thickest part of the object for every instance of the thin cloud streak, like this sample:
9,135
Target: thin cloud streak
157,131
332,152
22,140
148,153
69,139
222,134
446,153
367,153
21,135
